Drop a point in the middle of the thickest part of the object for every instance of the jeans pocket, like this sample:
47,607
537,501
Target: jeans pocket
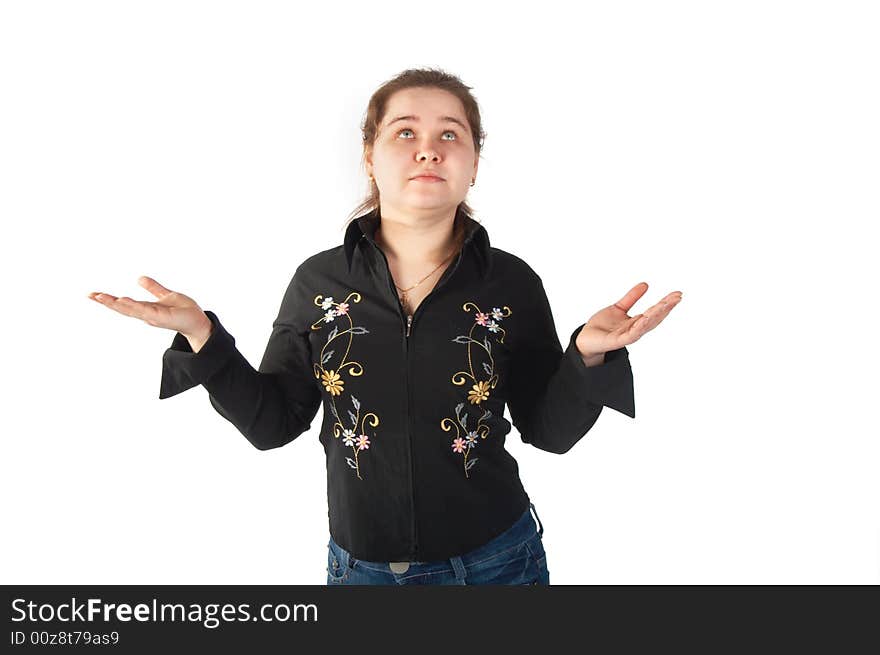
337,571
535,547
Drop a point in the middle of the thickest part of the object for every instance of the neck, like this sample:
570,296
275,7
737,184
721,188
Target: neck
421,242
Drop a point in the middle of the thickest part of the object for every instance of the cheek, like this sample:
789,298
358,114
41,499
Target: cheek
395,163
385,155
463,164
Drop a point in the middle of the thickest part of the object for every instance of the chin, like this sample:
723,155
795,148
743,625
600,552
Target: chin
427,205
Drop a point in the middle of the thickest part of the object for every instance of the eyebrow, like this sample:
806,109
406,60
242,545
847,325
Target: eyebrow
448,119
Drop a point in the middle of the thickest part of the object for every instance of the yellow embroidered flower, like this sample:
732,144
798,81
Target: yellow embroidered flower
332,382
479,392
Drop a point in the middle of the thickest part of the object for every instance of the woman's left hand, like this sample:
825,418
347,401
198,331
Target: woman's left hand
611,328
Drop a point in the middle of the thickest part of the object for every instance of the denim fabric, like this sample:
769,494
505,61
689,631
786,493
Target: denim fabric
515,557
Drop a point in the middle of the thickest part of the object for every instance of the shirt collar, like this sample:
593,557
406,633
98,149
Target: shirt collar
363,227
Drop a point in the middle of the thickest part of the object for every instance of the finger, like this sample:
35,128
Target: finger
670,301
124,305
632,296
634,328
668,305
672,298
102,298
656,314
153,287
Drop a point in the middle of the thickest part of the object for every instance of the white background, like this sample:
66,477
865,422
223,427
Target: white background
725,149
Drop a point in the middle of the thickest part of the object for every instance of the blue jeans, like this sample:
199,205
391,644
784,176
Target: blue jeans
515,557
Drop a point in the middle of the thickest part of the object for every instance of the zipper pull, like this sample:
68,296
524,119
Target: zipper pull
408,324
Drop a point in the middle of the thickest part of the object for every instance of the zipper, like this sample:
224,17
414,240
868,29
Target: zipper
410,318
409,326
406,329
414,556
443,279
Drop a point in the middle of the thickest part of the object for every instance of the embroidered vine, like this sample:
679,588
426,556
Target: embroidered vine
354,437
466,439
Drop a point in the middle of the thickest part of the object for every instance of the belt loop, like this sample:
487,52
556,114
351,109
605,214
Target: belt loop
535,512
458,566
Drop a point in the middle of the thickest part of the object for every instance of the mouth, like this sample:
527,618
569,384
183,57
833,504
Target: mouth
427,178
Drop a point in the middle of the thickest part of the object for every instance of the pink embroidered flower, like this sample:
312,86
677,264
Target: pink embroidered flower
363,442
458,445
342,308
482,318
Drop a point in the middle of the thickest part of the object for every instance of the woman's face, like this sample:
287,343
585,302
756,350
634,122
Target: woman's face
426,140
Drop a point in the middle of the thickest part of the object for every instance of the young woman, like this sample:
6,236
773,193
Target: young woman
414,334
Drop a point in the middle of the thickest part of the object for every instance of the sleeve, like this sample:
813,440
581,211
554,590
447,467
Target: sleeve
270,406
554,398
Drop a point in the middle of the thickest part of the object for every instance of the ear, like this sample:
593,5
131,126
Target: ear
368,160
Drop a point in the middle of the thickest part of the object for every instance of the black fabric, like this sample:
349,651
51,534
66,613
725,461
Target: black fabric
400,485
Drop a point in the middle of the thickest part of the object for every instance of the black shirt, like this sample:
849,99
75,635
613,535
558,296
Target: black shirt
413,423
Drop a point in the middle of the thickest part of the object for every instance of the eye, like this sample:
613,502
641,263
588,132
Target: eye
406,129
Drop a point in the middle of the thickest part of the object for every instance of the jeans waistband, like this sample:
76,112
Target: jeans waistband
523,529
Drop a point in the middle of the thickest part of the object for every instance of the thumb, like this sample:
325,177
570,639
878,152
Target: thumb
153,287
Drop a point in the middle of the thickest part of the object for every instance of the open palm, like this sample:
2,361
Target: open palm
612,328
173,310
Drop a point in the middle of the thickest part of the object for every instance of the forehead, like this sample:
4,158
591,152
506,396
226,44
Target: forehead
428,104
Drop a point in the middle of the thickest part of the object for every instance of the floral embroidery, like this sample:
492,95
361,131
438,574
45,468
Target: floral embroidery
332,382
479,392
465,439
335,385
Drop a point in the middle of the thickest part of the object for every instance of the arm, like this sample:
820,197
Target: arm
555,397
270,406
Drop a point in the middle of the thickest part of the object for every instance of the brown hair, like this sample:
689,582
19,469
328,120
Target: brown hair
377,106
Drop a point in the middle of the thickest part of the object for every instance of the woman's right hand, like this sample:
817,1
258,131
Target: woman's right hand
173,311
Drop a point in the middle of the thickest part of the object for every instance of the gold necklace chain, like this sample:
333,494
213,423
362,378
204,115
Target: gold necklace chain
426,277
403,296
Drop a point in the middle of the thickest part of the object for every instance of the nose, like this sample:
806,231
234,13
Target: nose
427,152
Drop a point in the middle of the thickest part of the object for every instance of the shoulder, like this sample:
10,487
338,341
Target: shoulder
517,274
512,267
310,274
324,260
316,267
306,282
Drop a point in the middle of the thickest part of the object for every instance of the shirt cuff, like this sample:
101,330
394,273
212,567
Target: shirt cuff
609,383
183,369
